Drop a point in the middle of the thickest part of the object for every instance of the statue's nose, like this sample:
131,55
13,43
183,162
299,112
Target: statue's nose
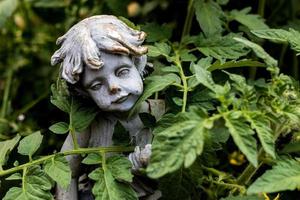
114,89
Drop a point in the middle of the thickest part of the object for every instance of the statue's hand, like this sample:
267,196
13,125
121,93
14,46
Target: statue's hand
140,157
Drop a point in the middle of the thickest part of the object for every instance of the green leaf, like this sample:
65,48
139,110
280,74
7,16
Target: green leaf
59,128
30,144
276,35
178,144
240,84
204,77
92,159
7,8
6,147
252,21
60,96
15,176
222,48
279,35
81,115
248,197
106,187
285,175
120,168
36,186
259,51
209,16
292,147
156,32
155,84
185,56
242,135
159,49
169,69
232,64
129,23
261,124
59,170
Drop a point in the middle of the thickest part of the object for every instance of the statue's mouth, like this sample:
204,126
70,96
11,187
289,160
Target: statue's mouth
121,99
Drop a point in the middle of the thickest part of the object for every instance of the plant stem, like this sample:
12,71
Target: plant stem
30,104
6,93
23,178
188,20
72,130
250,170
103,160
261,12
116,149
184,81
74,138
282,54
261,7
295,69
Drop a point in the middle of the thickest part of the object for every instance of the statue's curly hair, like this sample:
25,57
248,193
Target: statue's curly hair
82,44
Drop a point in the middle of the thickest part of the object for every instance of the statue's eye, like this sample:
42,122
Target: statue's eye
122,72
96,86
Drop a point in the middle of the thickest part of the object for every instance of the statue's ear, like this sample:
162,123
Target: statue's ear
140,63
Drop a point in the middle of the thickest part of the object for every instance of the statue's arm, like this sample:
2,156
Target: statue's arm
74,162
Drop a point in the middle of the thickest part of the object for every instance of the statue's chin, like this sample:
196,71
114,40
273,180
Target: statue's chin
123,106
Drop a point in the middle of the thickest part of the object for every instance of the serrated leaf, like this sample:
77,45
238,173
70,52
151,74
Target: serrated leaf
209,16
240,84
106,187
156,32
185,56
292,147
59,128
232,64
261,124
259,51
177,145
155,84
168,69
252,21
129,23
59,170
60,97
204,77
242,135
159,49
92,159
120,168
7,8
81,115
15,176
285,175
6,147
222,48
36,186
30,144
279,35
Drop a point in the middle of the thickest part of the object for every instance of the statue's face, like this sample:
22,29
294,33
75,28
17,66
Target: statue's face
116,86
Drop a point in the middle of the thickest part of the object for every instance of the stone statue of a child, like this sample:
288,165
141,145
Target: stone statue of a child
104,59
